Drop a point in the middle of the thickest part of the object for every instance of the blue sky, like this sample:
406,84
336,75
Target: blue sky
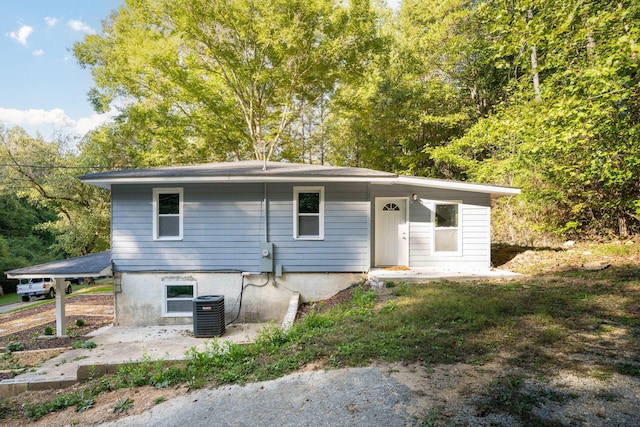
42,87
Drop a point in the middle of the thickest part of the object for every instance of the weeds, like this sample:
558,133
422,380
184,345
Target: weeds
83,344
123,406
14,346
82,400
10,363
159,400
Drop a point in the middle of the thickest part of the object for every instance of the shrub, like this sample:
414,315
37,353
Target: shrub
80,322
15,346
49,331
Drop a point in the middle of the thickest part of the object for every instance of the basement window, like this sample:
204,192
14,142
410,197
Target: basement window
179,299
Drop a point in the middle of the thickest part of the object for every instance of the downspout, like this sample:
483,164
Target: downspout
266,212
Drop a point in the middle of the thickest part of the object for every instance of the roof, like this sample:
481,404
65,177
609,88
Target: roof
255,171
94,265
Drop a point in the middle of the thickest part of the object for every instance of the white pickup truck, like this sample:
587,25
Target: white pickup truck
28,288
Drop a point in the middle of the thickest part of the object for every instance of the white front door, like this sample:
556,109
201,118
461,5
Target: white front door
391,231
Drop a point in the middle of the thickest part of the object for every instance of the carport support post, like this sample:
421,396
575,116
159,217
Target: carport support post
61,319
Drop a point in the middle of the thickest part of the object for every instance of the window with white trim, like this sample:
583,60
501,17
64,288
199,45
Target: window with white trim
179,299
167,213
446,228
308,205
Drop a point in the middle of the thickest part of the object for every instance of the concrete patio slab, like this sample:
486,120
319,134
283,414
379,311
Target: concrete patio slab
118,345
417,275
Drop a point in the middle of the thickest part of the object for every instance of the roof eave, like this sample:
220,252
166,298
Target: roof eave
494,190
107,183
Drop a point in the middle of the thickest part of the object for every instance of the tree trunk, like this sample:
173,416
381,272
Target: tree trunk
623,229
534,64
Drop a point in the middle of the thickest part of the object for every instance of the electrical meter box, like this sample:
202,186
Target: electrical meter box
266,257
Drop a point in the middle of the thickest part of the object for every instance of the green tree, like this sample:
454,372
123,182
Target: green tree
568,129
434,82
224,79
45,175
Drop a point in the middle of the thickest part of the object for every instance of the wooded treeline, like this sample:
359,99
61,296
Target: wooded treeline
539,94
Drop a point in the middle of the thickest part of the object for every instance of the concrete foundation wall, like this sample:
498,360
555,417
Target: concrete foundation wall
140,298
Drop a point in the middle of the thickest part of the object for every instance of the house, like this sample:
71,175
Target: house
257,233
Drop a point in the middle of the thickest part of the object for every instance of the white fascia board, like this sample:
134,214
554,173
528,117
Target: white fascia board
107,183
107,272
494,190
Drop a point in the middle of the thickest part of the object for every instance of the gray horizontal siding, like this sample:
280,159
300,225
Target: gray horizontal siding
475,213
345,247
224,225
222,229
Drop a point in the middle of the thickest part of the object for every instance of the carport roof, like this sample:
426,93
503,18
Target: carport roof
94,265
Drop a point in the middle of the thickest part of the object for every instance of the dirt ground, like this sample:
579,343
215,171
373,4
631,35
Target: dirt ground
27,327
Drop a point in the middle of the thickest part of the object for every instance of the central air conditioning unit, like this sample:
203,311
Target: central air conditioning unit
208,316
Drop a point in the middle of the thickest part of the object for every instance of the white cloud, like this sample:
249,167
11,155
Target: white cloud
56,118
77,25
22,34
38,52
51,21
96,120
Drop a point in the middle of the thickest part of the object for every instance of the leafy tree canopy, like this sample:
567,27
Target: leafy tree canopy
223,79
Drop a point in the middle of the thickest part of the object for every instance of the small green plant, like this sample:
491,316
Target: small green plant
362,298
84,404
628,369
600,375
159,400
389,307
506,393
15,346
80,323
402,289
123,406
48,331
83,344
314,320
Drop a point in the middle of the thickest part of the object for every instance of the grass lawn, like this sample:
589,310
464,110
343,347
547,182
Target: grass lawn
100,285
10,299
